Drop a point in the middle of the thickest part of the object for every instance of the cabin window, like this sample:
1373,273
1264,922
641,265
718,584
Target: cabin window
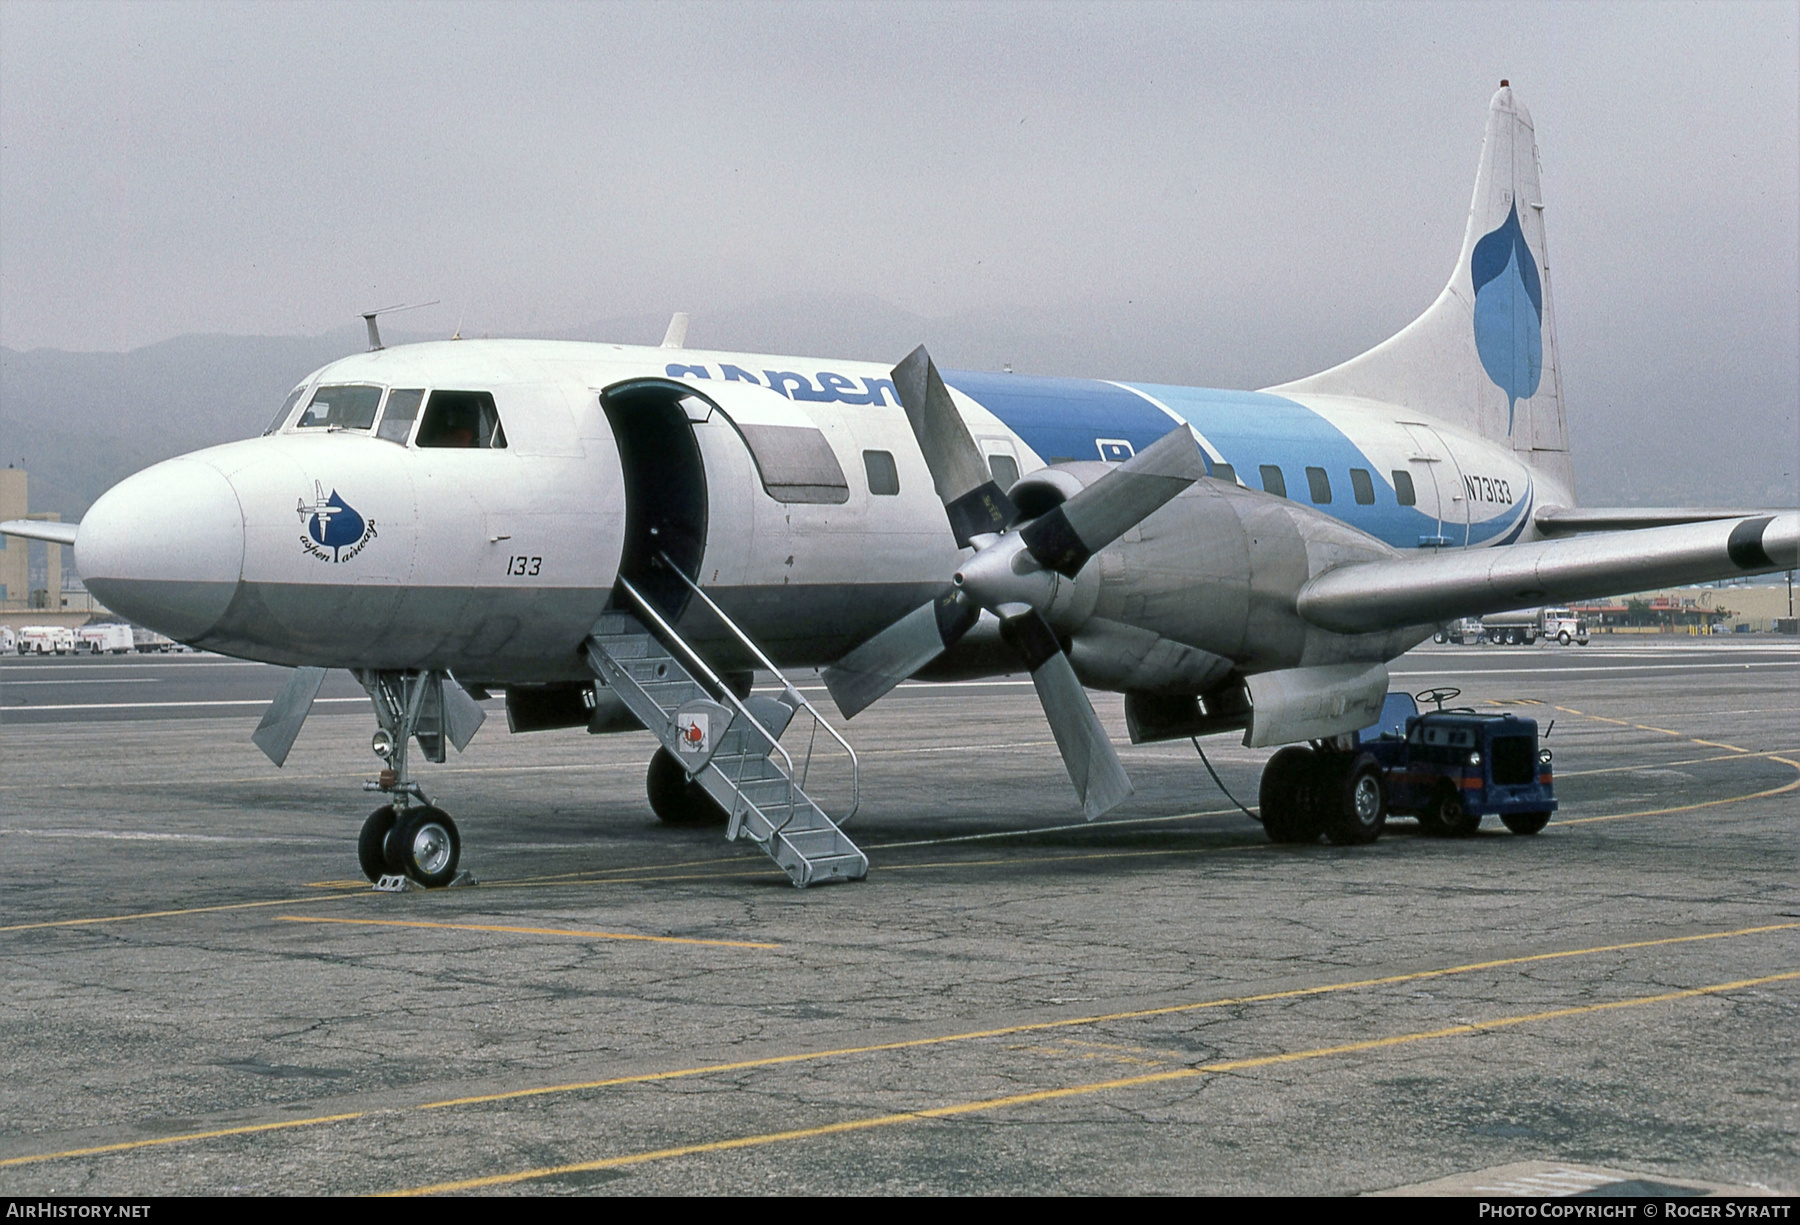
1403,488
1363,486
1224,472
286,408
347,406
1319,485
796,463
884,478
1273,481
465,419
402,410
1005,469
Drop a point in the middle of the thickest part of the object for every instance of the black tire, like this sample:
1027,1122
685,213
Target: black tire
426,846
1525,822
1289,813
677,799
371,844
1445,816
1356,792
1563,638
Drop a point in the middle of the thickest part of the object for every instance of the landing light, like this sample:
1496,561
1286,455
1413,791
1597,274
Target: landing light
382,744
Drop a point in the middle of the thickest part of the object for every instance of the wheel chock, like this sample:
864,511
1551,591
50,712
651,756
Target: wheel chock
399,882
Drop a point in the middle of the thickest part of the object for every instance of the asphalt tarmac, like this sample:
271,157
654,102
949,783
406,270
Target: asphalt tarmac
201,996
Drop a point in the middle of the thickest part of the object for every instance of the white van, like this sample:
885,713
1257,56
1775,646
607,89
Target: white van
108,638
46,640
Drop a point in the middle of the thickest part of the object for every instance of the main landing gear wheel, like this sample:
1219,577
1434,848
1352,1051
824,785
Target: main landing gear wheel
1288,796
371,844
1525,822
1357,800
677,799
1445,816
424,845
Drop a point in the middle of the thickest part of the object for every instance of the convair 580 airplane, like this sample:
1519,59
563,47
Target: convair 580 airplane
618,536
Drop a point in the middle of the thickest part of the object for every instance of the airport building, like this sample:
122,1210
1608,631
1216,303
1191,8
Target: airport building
35,589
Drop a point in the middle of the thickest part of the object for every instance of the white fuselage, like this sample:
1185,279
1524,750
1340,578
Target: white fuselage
360,547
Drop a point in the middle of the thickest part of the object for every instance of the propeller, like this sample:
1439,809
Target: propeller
1013,574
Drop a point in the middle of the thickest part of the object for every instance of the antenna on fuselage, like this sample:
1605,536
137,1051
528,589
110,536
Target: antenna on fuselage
375,332
676,336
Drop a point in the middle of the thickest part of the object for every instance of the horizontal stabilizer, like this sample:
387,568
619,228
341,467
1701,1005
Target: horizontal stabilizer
1566,520
1436,587
41,529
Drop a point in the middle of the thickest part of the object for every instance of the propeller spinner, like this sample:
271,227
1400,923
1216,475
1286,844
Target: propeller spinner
1012,574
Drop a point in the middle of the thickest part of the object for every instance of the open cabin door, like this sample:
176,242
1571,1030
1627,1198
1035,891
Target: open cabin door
665,486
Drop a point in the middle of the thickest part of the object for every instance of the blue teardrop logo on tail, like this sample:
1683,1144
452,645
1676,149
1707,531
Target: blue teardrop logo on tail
1509,312
331,523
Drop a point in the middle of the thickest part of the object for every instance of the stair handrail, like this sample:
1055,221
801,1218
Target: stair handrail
670,637
788,686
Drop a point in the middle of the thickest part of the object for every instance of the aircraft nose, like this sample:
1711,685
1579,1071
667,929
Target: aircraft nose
165,547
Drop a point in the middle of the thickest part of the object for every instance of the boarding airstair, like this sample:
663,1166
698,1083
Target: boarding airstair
731,746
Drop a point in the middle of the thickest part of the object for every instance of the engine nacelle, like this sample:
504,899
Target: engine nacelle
1202,593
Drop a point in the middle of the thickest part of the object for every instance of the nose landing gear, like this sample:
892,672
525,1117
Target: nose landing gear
411,837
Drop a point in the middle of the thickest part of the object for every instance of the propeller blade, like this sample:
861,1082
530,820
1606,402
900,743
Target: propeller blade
864,675
1087,751
1064,538
974,501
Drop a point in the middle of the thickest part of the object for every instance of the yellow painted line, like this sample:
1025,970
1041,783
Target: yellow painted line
186,1136
1665,731
526,931
169,914
337,884
1719,744
1736,799
1102,1018
1736,754
1103,1086
912,1043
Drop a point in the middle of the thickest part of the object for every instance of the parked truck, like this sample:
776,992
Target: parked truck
46,640
106,638
148,641
1524,626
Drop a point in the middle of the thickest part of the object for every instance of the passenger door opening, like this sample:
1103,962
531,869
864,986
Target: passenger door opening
665,488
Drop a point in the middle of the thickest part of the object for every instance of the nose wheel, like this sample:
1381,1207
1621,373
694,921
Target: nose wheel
422,843
411,836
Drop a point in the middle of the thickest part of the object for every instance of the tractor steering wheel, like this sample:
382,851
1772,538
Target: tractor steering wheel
1439,696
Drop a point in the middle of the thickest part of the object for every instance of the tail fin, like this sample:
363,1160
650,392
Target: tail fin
1483,357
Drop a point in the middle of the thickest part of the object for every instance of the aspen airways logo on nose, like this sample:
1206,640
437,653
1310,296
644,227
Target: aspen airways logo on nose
331,523
1509,312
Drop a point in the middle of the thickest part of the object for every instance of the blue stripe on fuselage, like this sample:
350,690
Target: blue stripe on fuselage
1065,419
1253,428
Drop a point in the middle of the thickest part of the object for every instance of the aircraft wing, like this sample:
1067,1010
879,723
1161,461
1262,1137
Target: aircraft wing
1565,520
40,529
1433,587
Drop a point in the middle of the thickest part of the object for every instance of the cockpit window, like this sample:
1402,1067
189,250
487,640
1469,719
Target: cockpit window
348,406
286,408
461,419
402,410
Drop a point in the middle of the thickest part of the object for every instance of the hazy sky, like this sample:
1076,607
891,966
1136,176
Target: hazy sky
1279,180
